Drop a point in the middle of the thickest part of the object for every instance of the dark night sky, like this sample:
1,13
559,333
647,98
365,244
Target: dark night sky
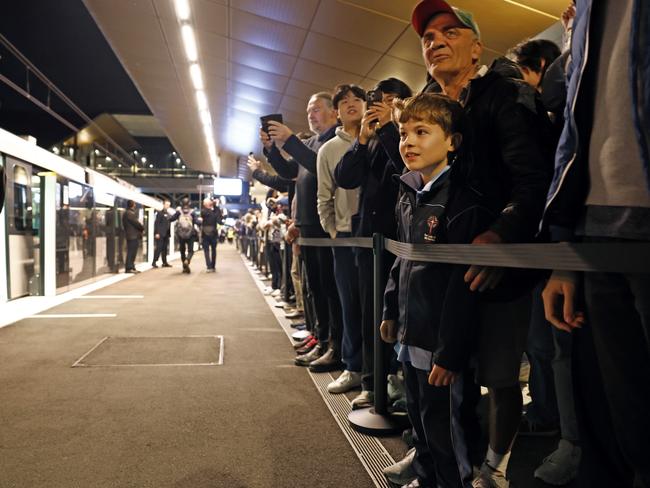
61,39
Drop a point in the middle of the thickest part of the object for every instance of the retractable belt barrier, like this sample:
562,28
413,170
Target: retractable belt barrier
632,257
617,257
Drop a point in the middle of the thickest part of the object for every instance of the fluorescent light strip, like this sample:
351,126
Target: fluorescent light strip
182,10
540,12
189,42
197,77
201,100
183,13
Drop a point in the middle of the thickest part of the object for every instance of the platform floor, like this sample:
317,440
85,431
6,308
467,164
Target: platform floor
254,421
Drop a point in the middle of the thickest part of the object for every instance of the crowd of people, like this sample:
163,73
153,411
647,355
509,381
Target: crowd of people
548,144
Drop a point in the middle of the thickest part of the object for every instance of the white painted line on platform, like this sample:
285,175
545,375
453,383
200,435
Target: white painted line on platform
91,350
78,362
89,297
72,316
22,308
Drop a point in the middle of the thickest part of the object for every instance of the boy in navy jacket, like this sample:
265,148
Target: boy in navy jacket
427,306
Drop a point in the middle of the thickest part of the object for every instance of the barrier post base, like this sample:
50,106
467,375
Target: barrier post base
367,421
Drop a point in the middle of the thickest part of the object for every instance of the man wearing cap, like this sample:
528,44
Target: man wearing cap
513,173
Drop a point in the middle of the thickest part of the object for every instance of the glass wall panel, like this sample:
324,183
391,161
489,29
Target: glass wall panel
81,248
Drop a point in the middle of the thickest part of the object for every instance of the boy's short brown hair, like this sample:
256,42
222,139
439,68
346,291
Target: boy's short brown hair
432,108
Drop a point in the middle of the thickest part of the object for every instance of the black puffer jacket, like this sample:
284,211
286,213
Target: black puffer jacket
431,301
372,167
513,149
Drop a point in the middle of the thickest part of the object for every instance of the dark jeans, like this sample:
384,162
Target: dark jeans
368,324
210,250
311,321
160,249
612,385
319,265
131,251
347,284
441,458
186,246
550,382
275,263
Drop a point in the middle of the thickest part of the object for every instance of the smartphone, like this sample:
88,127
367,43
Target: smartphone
266,118
374,96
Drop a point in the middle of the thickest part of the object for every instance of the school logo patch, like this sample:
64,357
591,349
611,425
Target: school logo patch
432,224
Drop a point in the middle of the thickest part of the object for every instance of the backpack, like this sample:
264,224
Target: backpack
185,226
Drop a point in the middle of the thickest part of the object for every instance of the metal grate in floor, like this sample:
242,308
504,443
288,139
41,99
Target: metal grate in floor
369,450
154,351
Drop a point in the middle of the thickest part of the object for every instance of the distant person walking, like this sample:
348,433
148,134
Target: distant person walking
211,217
133,231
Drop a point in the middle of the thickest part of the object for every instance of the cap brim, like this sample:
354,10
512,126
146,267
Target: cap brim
426,9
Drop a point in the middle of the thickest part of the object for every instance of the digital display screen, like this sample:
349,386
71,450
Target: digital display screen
227,186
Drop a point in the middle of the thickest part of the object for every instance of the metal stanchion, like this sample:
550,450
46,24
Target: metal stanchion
377,420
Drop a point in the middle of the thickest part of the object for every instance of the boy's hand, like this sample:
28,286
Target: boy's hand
483,277
279,132
568,319
388,331
440,376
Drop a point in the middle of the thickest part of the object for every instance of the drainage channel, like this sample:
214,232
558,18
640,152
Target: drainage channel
371,453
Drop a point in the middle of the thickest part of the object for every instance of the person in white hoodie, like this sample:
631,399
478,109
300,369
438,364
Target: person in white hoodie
336,206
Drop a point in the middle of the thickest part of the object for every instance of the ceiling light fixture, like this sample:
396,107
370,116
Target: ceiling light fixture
201,100
182,10
183,13
197,77
189,42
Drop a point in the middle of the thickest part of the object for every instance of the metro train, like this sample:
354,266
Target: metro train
61,222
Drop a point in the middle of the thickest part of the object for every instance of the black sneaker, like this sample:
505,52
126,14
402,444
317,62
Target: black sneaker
166,265
154,265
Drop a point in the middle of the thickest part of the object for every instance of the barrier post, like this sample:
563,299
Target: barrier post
381,393
377,420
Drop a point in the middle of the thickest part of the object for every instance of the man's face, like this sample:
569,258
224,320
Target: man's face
423,145
319,115
351,109
448,47
166,204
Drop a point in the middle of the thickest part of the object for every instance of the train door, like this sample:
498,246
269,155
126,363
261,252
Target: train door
62,234
23,230
81,225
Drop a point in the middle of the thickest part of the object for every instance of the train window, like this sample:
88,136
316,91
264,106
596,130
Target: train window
22,205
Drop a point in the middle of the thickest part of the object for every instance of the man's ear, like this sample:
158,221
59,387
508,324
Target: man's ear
456,141
477,49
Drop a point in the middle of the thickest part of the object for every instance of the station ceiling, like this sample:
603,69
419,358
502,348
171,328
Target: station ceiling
268,56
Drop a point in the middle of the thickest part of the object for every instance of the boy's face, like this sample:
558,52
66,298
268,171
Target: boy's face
423,146
351,109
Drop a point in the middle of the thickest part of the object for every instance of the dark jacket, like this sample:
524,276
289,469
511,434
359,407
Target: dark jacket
302,168
371,168
431,301
132,227
277,183
570,185
513,152
210,218
162,223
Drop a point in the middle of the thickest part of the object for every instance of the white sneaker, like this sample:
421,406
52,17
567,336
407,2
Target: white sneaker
395,387
490,478
561,466
276,293
280,304
346,382
402,471
364,399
